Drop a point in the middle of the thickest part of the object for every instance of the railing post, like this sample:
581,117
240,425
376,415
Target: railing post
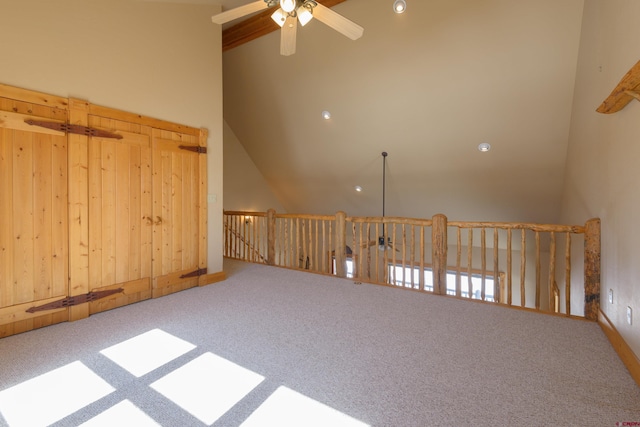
341,242
439,253
271,237
592,269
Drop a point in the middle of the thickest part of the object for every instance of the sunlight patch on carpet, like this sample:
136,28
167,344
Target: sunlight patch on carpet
50,397
208,386
288,408
147,352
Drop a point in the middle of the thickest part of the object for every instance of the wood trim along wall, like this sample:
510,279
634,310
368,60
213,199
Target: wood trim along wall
208,279
256,26
627,355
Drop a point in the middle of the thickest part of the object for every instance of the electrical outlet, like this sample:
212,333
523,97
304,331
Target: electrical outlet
610,296
629,315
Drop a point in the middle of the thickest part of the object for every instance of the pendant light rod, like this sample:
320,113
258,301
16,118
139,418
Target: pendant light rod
384,179
384,182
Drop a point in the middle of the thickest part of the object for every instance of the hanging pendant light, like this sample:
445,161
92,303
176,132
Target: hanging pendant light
384,241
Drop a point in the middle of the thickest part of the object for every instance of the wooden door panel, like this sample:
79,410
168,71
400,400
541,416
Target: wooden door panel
33,207
176,211
120,212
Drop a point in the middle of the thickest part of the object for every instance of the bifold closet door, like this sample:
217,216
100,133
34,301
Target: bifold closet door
120,221
33,217
177,194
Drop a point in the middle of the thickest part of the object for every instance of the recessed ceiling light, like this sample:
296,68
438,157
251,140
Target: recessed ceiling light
399,6
326,115
358,188
484,147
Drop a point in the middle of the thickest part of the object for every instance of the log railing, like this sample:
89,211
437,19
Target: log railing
551,268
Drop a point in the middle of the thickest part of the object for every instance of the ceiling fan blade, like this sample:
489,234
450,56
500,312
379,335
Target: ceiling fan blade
239,12
288,36
337,22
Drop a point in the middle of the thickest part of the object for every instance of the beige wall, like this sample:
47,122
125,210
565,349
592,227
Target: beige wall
161,60
245,189
602,174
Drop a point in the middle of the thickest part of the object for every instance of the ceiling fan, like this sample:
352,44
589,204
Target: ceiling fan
288,15
383,242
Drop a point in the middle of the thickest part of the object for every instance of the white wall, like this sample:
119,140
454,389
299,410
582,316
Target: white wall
602,174
160,60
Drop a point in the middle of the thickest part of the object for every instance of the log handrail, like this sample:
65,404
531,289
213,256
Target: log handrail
526,265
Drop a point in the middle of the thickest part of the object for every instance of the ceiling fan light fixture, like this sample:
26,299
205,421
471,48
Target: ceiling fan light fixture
304,15
288,5
399,6
279,17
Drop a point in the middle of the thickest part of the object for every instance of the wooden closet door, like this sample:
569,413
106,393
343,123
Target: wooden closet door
177,196
33,217
120,222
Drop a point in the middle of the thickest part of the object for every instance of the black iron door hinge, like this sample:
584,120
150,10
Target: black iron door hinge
196,273
75,300
75,129
194,148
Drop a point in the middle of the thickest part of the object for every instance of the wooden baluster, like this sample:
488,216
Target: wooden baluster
470,262
325,249
422,257
537,270
567,280
377,255
509,267
552,272
369,275
354,250
523,267
360,251
458,262
592,269
393,255
496,273
439,239
226,235
331,239
412,255
341,237
483,257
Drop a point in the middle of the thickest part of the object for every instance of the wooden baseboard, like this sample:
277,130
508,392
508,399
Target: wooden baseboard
627,355
208,279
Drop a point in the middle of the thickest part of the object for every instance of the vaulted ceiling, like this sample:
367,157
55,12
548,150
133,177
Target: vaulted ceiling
427,86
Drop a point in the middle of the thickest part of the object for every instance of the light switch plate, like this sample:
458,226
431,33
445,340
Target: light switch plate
610,296
629,315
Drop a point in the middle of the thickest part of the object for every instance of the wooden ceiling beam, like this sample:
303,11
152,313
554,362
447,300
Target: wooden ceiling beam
257,26
623,93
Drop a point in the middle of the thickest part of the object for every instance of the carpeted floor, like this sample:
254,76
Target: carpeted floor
274,347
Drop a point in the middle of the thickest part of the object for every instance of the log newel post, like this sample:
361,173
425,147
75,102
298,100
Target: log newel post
592,269
439,253
271,237
341,242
